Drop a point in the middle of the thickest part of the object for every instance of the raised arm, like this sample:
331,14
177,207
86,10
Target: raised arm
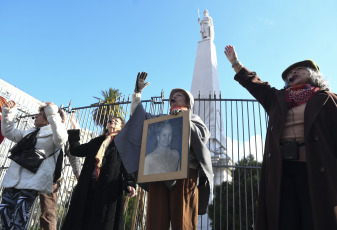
140,85
89,149
58,128
74,161
259,89
74,122
8,129
233,58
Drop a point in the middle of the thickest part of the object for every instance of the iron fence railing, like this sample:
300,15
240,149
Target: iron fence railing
238,130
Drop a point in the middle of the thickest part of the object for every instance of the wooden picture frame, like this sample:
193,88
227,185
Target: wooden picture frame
165,148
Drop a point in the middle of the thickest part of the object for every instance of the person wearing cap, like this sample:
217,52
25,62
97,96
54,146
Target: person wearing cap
176,203
97,201
298,186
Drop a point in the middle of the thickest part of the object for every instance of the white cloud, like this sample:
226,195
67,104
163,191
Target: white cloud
238,149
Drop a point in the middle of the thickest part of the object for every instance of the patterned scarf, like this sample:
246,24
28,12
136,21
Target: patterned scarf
298,95
100,154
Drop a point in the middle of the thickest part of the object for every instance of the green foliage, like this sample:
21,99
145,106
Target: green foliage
131,210
236,201
102,112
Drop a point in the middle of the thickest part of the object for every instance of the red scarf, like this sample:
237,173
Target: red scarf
298,95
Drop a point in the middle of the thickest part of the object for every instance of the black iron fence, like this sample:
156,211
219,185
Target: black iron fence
238,130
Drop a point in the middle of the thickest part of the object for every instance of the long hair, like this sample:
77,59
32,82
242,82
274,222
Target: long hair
316,79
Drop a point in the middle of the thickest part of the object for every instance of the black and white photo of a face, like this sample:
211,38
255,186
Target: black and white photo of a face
165,148
165,136
164,156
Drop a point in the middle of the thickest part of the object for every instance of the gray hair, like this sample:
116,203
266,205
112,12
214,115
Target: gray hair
316,79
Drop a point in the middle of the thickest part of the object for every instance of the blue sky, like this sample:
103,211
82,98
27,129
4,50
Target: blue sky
71,49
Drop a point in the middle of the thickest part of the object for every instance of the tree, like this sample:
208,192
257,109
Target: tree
104,110
235,201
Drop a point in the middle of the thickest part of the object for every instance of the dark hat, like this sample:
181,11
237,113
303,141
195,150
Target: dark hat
306,63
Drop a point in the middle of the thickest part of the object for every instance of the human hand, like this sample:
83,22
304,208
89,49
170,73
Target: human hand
131,191
140,82
231,54
175,111
50,103
10,104
74,121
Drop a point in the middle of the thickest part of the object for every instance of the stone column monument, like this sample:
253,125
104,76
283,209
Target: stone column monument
205,85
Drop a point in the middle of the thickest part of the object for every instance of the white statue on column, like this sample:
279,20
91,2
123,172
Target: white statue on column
206,26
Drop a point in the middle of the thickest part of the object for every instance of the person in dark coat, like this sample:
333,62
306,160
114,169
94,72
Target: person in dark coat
97,201
298,186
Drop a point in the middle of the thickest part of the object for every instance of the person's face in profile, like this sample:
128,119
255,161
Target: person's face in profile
165,136
40,119
178,99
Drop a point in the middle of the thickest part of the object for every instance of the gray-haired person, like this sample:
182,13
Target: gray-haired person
298,186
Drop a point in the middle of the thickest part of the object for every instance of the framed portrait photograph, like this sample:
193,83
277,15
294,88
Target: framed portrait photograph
165,148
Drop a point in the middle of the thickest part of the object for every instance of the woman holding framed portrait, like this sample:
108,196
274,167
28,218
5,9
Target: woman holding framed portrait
174,203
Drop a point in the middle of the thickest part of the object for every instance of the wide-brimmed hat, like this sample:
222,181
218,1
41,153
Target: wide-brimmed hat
306,63
2,103
188,94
